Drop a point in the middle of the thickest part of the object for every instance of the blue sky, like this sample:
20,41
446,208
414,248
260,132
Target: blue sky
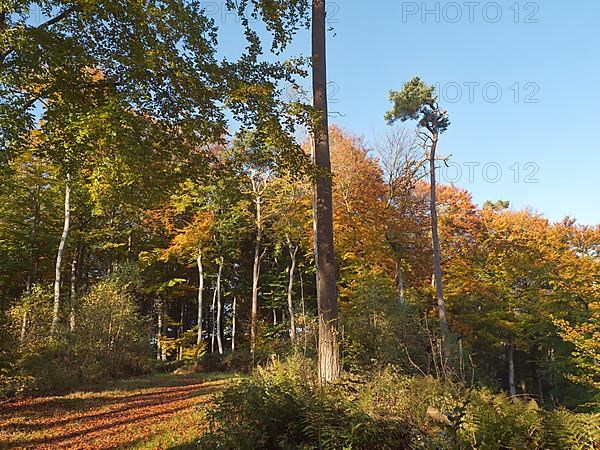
520,81
554,61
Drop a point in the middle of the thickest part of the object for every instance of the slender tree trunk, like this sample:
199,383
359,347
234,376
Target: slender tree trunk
214,324
159,330
219,307
84,278
255,277
24,322
304,328
130,246
292,271
109,344
33,240
534,367
73,293
200,297
180,331
32,261
511,369
399,276
233,320
437,261
328,352
59,258
539,384
522,383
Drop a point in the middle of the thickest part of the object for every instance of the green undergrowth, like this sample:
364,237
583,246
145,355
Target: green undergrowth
283,407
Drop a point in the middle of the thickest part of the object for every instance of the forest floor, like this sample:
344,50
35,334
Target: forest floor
158,412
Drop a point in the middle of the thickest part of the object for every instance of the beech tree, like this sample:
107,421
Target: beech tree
289,200
162,190
192,243
359,212
259,181
402,169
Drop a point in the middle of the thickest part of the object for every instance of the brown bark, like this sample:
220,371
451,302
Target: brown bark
314,218
437,262
328,352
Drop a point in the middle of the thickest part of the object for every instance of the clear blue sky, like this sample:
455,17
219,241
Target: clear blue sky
549,48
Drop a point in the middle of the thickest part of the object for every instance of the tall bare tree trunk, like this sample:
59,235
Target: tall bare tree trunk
399,276
233,320
328,352
180,331
73,293
59,258
255,277
24,323
160,355
292,270
219,307
314,218
304,327
437,261
511,369
200,297
32,260
214,324
130,246
534,367
33,240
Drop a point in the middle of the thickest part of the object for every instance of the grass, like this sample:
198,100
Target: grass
157,412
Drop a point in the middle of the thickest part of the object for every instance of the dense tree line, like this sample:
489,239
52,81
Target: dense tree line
137,230
216,258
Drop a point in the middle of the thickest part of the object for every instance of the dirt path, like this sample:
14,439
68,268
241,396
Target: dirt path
156,412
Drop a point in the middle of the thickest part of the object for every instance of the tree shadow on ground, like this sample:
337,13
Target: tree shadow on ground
41,423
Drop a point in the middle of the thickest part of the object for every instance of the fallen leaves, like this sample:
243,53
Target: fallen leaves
105,420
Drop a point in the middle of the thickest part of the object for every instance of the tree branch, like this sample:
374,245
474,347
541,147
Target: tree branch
54,20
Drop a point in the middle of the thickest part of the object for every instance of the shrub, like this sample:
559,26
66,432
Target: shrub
109,340
493,421
238,361
377,328
282,407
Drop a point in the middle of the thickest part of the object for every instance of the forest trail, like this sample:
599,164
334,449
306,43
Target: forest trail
158,412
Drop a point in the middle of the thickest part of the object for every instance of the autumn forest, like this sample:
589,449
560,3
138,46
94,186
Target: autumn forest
175,228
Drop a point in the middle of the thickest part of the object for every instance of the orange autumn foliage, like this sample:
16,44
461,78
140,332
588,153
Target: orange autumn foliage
358,197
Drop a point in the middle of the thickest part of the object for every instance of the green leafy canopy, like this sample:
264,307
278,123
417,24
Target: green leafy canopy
417,101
